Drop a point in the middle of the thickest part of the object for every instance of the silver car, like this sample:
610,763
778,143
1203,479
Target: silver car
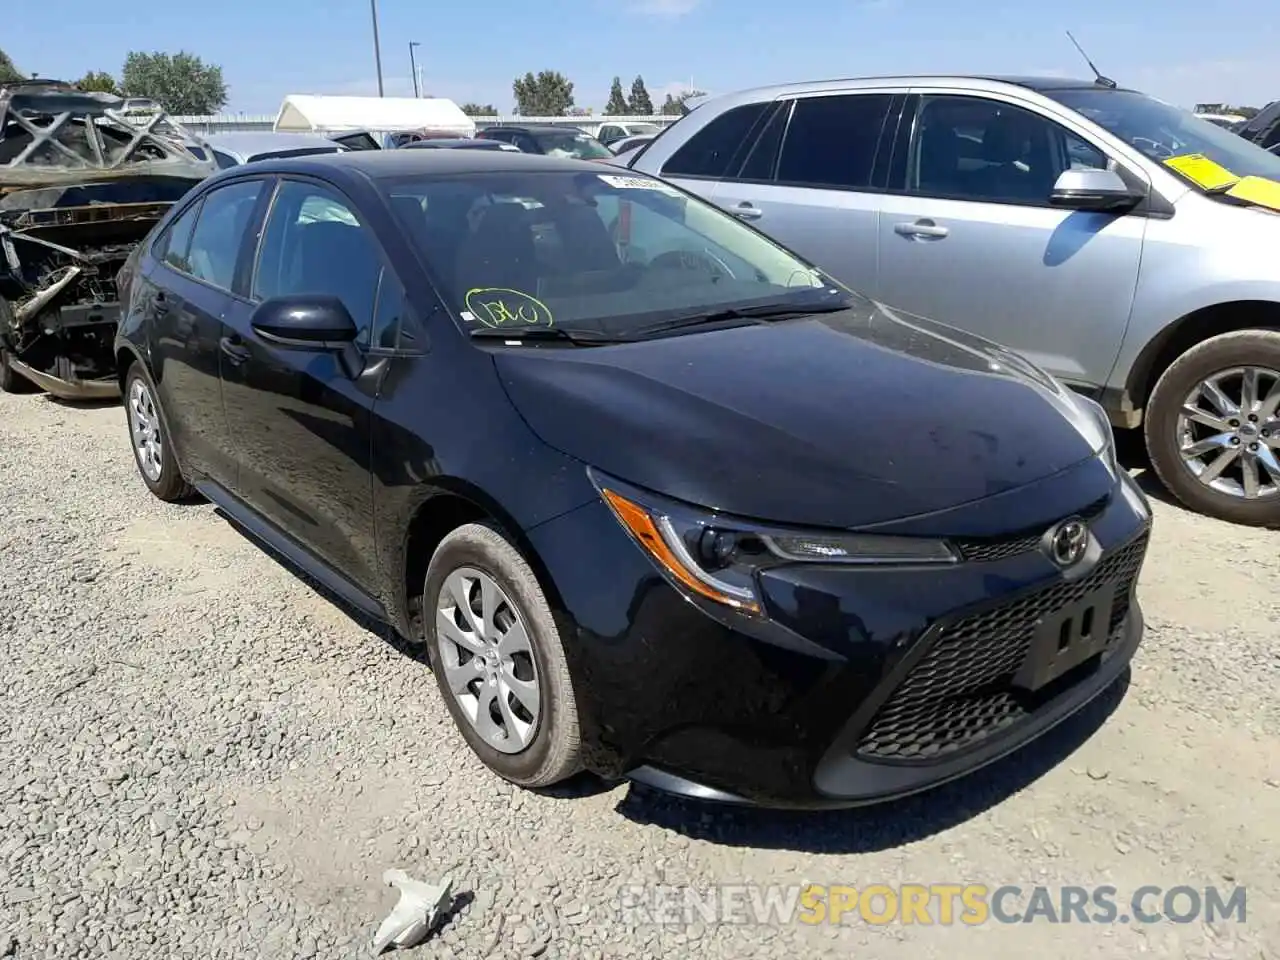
1117,241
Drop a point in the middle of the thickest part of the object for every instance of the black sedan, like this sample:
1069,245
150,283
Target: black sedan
660,499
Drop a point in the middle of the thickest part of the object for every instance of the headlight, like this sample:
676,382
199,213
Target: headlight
718,557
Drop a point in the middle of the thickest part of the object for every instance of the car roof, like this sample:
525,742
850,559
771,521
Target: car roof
534,127
1039,84
391,164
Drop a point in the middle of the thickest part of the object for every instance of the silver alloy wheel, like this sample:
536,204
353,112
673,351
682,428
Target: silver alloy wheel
144,425
488,661
1229,432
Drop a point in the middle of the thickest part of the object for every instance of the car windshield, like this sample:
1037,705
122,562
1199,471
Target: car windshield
606,254
1164,132
635,129
577,146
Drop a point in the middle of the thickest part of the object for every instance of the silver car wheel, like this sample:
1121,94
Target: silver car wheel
488,660
1229,432
144,425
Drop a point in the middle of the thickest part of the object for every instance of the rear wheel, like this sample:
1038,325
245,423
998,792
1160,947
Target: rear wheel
498,659
149,438
1213,427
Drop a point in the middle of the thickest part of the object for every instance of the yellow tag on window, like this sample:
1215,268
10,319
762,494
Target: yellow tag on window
1202,171
1257,190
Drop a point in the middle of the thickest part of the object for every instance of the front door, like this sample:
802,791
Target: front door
301,420
968,237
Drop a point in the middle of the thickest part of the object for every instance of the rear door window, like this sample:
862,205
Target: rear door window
220,231
831,141
712,150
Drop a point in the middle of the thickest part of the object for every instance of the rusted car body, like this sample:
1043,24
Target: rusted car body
81,183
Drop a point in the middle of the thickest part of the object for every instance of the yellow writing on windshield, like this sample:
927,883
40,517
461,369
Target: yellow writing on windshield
1202,171
501,307
1257,190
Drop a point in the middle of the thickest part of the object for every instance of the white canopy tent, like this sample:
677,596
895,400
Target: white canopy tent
379,115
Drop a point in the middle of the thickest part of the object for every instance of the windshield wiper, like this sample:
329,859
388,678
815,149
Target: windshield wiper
764,313
584,337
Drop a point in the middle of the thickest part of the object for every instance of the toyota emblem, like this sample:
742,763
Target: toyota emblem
1068,542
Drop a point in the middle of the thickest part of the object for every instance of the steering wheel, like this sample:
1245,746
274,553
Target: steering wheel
704,261
1160,151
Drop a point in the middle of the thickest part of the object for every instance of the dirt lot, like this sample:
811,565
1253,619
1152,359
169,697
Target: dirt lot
201,757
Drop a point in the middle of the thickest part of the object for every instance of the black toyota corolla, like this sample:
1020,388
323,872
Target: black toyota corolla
661,500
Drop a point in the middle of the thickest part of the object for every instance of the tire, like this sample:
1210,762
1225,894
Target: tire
161,474
1243,348
10,382
551,751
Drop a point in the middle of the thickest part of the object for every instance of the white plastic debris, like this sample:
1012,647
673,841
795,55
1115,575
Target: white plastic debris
415,914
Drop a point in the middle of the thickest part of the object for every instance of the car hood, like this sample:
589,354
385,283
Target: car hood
843,419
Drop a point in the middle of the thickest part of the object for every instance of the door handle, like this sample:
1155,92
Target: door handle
233,349
923,229
160,305
746,210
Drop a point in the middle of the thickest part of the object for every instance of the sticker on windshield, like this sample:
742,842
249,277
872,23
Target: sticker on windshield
638,183
500,307
1257,190
1202,171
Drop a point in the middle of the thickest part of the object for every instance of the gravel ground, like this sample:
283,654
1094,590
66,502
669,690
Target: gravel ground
202,757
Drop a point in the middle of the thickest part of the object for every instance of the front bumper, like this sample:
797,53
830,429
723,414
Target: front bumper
861,685
67,389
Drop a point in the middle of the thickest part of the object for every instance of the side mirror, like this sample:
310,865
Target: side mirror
305,322
1093,189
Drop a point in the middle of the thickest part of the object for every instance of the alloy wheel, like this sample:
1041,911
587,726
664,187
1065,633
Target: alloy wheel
487,657
1228,432
144,426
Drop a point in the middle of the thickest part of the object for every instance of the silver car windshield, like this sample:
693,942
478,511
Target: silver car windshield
1164,132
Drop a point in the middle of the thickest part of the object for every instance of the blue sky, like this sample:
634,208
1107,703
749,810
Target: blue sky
1181,51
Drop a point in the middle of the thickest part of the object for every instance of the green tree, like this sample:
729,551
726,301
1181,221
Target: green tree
181,83
617,105
7,70
639,103
549,94
479,109
99,81
674,106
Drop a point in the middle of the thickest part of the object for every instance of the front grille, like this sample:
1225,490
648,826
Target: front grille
981,550
962,691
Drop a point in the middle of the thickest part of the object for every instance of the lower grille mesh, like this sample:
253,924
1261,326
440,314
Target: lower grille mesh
961,691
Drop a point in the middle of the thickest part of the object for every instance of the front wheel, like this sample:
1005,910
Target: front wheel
1213,427
498,659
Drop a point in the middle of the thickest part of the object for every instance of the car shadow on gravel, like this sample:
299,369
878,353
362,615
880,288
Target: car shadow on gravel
882,827
1131,451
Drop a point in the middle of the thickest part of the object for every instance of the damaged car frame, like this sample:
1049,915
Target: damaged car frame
81,183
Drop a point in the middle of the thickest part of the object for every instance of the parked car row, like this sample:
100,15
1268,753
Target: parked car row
754,470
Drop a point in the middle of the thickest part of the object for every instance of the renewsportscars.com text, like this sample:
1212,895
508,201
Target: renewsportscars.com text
928,904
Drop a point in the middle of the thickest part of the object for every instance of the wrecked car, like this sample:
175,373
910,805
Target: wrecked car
81,183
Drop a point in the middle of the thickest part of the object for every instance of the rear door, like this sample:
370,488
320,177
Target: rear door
301,420
197,259
968,236
813,177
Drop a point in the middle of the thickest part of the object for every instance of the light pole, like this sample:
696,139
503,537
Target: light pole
377,49
413,65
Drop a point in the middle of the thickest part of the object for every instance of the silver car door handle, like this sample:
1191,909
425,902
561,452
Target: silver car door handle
921,228
746,210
